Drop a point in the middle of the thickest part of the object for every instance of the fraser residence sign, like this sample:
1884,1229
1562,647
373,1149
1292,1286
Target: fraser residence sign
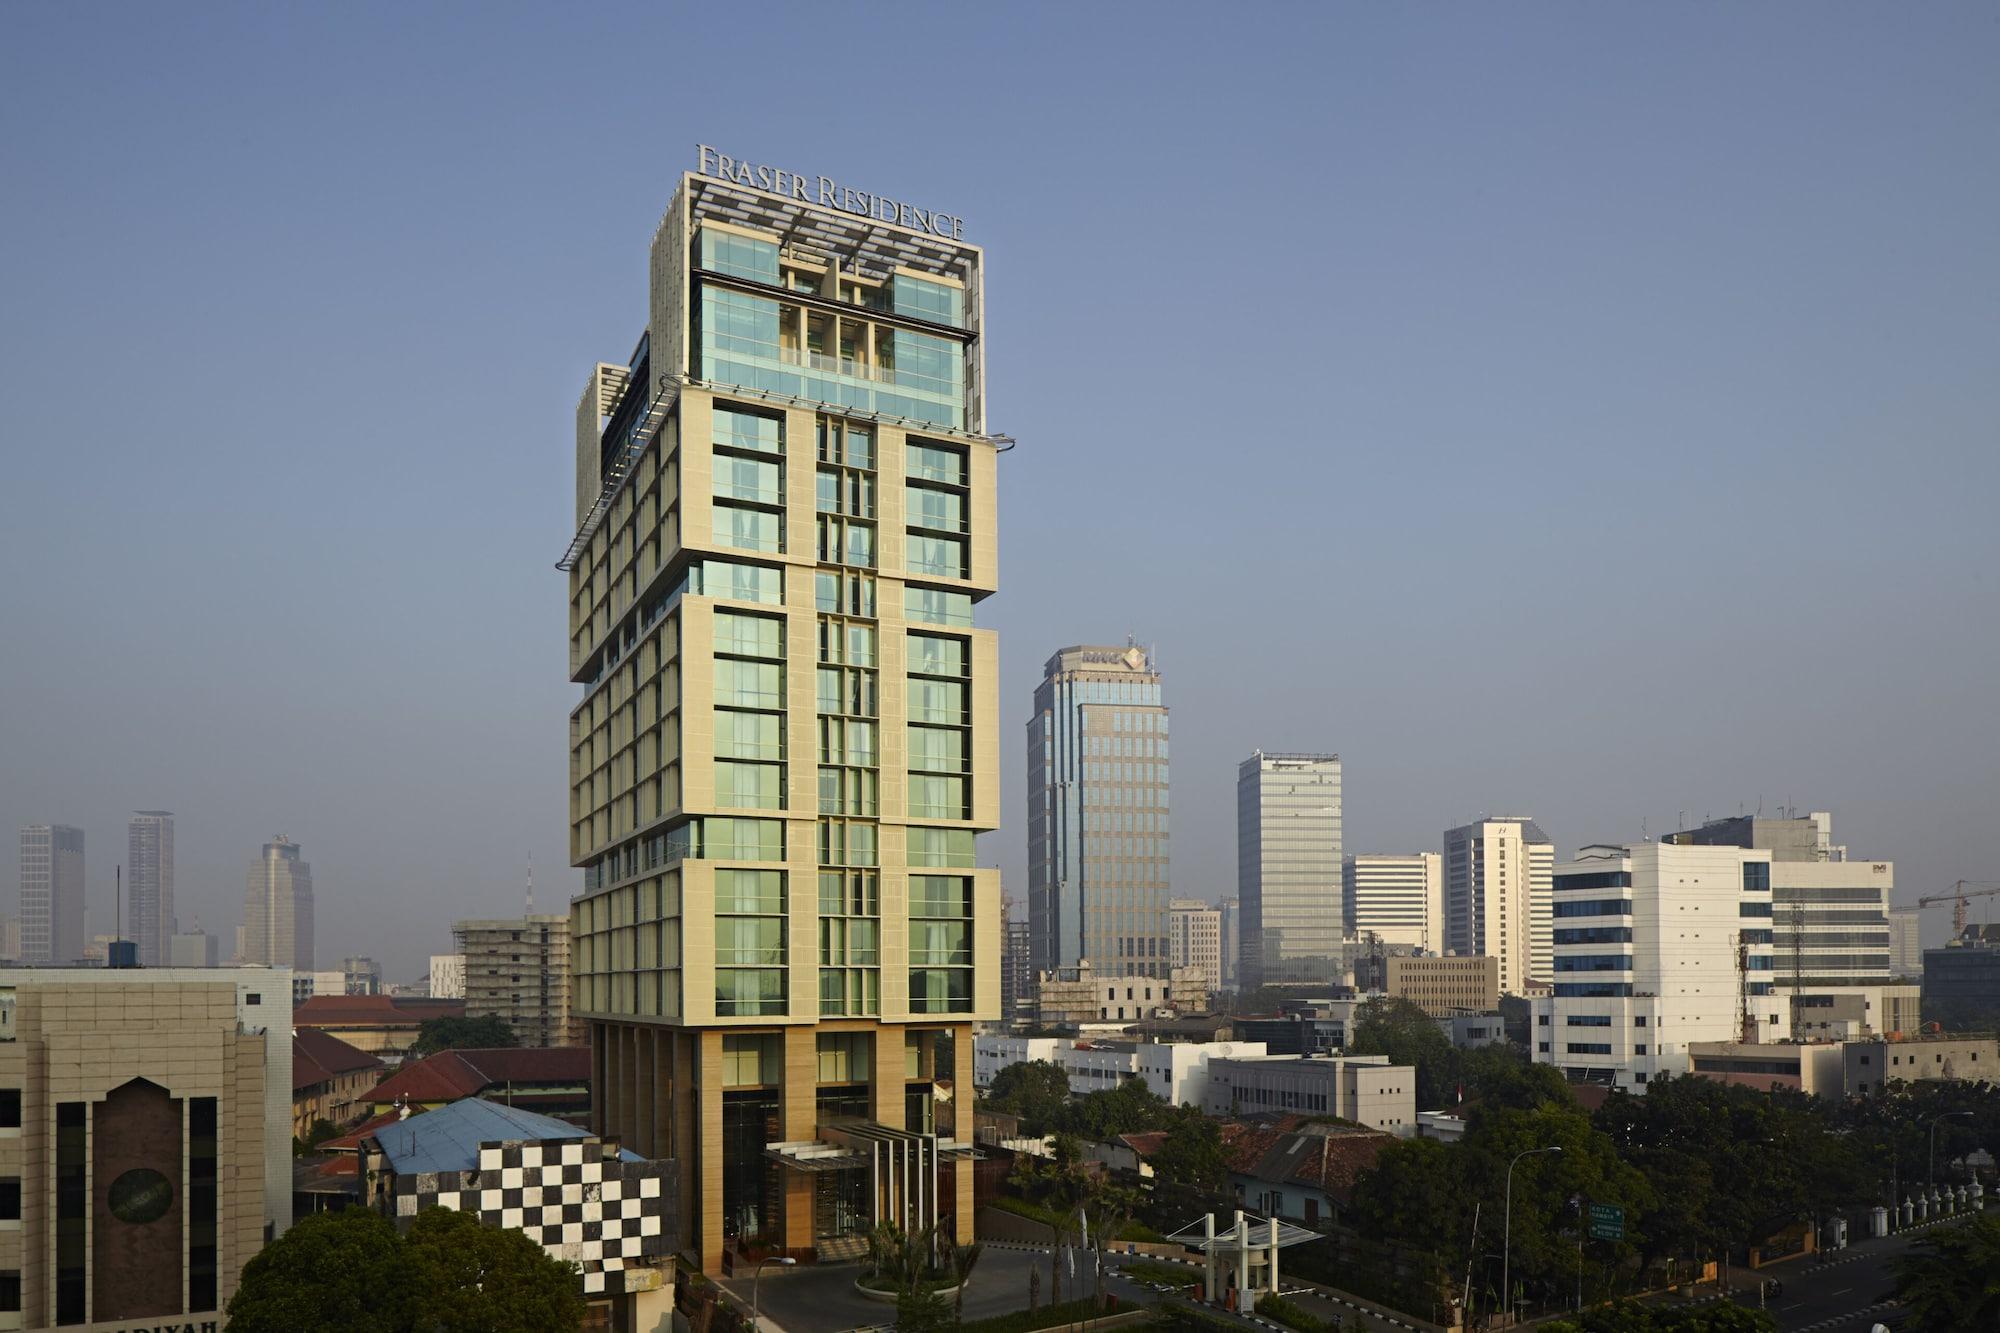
827,193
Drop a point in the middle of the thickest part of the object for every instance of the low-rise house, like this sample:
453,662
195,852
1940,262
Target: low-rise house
383,1025
551,1080
1302,1170
330,1081
1366,1089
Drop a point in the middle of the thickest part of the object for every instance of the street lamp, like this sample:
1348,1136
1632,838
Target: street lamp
783,1261
1507,1228
1932,1172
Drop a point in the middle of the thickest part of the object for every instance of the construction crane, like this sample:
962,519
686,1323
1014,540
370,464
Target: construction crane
1957,898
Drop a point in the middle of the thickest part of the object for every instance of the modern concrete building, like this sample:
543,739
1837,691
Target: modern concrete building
1399,899
145,1115
786,741
1830,914
278,909
51,894
1288,869
1194,931
1962,981
1097,813
1441,986
1363,1088
1174,1070
447,976
1497,899
1017,971
1868,1066
1658,946
194,948
1906,944
1231,910
149,885
1084,997
518,970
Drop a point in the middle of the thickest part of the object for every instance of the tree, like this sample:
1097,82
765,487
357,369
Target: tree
1191,1156
964,1258
923,1311
473,1278
344,1270
1035,1090
445,1034
1951,1280
321,1131
1402,1031
1129,1108
450,1274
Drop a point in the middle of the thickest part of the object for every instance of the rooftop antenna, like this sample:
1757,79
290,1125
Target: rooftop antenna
118,903
531,883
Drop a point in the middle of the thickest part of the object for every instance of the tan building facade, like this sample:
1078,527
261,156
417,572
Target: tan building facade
518,970
152,1140
786,742
1440,985
1194,930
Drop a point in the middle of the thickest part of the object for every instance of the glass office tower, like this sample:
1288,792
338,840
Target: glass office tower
1098,882
1288,869
785,746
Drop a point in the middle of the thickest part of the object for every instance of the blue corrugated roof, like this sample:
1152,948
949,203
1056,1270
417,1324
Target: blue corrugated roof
448,1138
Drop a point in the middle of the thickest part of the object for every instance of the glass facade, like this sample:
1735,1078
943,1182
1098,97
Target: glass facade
1289,870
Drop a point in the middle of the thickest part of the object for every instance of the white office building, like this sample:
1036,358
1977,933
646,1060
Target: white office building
1906,942
1366,1089
1496,897
1657,947
1194,938
1175,1071
447,976
1399,899
1288,876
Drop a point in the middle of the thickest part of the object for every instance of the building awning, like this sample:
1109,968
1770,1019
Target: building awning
849,1145
1227,1242
811,1155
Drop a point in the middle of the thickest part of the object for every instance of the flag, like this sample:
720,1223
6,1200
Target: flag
1086,1226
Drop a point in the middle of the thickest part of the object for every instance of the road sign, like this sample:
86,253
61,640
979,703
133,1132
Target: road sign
1607,1222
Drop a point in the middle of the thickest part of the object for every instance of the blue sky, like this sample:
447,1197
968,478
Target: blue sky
1581,410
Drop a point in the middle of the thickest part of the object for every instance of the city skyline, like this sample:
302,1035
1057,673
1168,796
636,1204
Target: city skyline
1697,396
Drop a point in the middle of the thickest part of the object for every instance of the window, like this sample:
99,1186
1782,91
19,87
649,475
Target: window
941,847
10,1108
937,701
1542,1047
744,786
1639,1049
739,256
751,479
748,529
940,511
1756,876
748,684
937,655
940,557
10,1198
935,462
253,998
734,428
936,606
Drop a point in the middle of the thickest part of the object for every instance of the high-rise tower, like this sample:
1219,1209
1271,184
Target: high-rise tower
278,909
1288,869
1498,900
51,893
1098,885
149,880
785,745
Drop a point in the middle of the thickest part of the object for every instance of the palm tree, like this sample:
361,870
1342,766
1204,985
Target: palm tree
1951,1280
964,1258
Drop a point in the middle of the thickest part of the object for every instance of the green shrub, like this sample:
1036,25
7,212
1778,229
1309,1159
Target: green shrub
1026,1321
1171,1275
1285,1312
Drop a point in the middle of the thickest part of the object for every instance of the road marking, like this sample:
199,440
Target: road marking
1842,1292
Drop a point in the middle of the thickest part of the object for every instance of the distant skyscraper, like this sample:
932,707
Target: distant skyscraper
1097,813
1231,910
1498,897
1017,967
278,909
149,885
194,948
1399,898
1288,869
1195,929
51,893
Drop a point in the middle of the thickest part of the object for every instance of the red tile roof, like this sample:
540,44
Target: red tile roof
351,1140
450,1075
320,1057
339,1011
1327,1157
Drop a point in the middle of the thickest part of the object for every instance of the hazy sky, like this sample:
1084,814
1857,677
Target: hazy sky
1580,410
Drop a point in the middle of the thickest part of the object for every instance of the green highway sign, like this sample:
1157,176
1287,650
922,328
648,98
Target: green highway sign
1607,1222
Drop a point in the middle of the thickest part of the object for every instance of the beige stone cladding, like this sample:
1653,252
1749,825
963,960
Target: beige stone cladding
93,1040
